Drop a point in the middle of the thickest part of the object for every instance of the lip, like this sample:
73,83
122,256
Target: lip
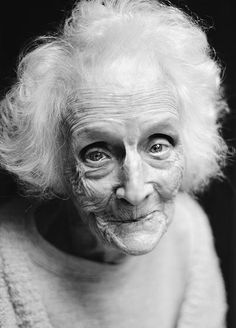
145,217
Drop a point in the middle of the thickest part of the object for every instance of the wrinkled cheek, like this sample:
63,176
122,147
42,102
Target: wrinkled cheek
176,180
169,182
86,194
168,188
76,182
83,194
74,179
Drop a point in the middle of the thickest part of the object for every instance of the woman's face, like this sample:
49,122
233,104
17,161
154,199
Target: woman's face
126,165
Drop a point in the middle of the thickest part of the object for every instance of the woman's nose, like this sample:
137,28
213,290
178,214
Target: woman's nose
134,189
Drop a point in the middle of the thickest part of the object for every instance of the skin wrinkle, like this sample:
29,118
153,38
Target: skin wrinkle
125,121
96,204
140,70
99,221
109,234
100,103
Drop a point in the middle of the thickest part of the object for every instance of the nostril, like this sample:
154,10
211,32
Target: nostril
133,195
124,202
123,197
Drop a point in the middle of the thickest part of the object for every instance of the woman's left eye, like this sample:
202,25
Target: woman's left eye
160,148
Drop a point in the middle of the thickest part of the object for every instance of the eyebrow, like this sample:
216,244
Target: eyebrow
166,124
96,132
93,133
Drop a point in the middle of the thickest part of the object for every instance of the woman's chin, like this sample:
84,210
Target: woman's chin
134,244
133,238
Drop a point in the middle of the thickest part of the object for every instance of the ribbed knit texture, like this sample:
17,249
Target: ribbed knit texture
20,304
204,305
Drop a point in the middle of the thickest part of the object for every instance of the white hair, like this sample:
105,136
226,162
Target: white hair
97,34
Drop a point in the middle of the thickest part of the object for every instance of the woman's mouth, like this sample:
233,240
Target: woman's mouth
144,217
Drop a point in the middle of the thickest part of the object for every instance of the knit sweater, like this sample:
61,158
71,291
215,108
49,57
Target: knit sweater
21,304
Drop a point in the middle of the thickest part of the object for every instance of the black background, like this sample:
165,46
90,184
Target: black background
22,21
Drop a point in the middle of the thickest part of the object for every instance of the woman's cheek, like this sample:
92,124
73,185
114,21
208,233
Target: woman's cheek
93,195
168,181
97,188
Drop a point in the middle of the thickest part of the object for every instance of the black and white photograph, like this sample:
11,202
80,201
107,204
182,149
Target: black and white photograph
118,164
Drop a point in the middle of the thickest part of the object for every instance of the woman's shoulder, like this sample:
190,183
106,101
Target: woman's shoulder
189,214
191,224
188,206
205,301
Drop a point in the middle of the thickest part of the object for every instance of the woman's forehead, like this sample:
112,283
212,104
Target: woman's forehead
130,130
98,104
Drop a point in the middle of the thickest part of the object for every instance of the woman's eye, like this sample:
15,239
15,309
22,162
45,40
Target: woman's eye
96,156
158,148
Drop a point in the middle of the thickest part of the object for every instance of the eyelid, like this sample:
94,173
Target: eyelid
92,163
97,146
165,141
160,136
97,149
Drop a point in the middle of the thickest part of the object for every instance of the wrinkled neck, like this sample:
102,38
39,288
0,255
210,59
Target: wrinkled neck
60,224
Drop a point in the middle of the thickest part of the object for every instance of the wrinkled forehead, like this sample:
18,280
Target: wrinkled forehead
109,104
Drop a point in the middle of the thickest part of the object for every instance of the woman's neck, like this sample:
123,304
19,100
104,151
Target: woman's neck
67,232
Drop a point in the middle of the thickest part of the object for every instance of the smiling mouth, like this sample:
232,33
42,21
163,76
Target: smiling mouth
140,218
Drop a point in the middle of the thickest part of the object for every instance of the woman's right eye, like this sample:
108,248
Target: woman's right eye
95,156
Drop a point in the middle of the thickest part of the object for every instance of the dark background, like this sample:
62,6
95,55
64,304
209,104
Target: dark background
22,21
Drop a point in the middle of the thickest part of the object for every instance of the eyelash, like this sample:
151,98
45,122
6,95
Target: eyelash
170,139
98,146
160,149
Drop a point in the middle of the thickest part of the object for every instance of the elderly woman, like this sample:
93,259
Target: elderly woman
111,129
